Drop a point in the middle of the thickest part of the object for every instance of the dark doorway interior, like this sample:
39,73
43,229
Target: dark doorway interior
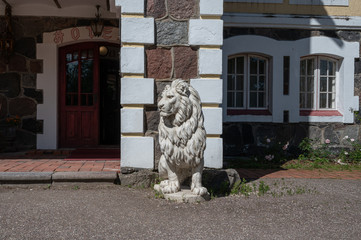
109,97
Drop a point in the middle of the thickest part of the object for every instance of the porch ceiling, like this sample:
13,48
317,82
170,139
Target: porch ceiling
60,8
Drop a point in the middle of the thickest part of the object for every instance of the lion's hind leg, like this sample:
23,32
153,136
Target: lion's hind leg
196,186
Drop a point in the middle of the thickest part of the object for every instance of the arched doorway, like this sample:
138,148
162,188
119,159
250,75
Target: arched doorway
89,95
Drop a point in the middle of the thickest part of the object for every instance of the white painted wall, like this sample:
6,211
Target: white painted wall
48,82
295,49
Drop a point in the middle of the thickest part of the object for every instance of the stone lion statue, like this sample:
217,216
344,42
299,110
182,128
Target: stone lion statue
182,138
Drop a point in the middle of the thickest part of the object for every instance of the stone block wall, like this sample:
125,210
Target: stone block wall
186,44
18,77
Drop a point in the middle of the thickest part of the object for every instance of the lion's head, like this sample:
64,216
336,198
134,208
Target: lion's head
175,105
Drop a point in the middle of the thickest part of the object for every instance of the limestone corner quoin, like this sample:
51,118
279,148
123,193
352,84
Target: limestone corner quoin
186,44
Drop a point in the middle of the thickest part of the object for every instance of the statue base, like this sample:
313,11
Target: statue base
185,195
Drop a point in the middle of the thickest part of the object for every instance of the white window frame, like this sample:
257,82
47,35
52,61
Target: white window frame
320,2
317,81
246,82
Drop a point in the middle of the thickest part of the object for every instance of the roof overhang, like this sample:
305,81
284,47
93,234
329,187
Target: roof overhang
61,8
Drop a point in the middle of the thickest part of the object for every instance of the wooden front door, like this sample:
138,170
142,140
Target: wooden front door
79,94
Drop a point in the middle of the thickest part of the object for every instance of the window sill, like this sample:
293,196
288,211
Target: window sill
321,113
248,112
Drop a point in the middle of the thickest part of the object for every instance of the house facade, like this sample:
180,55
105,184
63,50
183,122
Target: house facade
280,69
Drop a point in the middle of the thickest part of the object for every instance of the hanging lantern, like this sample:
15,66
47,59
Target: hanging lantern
98,24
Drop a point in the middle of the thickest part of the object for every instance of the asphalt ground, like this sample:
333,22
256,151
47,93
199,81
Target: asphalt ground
322,209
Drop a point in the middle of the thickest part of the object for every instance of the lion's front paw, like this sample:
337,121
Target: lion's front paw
167,186
200,190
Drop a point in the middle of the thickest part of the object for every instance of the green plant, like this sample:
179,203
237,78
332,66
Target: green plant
353,153
262,188
158,195
241,187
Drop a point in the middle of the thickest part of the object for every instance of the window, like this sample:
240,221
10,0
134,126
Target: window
247,82
318,83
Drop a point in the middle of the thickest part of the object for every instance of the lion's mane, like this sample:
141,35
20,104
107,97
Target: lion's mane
182,139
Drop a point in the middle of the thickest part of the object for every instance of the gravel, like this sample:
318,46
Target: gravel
324,209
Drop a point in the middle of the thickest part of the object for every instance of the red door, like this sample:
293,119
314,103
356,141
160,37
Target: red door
79,94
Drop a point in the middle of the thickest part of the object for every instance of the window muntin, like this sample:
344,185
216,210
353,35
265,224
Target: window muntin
247,80
318,83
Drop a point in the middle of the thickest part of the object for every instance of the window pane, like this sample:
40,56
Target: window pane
261,100
309,100
303,67
323,67
230,99
262,66
323,84
253,83
261,83
331,84
302,100
253,65
331,100
239,83
230,82
239,99
331,68
310,67
87,76
253,99
240,65
303,84
323,100
309,84
231,65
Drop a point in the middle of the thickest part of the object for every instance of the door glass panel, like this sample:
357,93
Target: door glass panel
90,53
87,82
75,56
68,57
71,83
87,76
83,54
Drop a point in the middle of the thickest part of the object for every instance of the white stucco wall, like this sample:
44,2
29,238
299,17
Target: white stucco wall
275,50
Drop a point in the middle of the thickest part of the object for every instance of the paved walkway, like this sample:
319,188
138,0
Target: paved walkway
60,165
57,165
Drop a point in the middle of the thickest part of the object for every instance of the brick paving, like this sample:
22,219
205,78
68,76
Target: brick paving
61,165
297,173
57,165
